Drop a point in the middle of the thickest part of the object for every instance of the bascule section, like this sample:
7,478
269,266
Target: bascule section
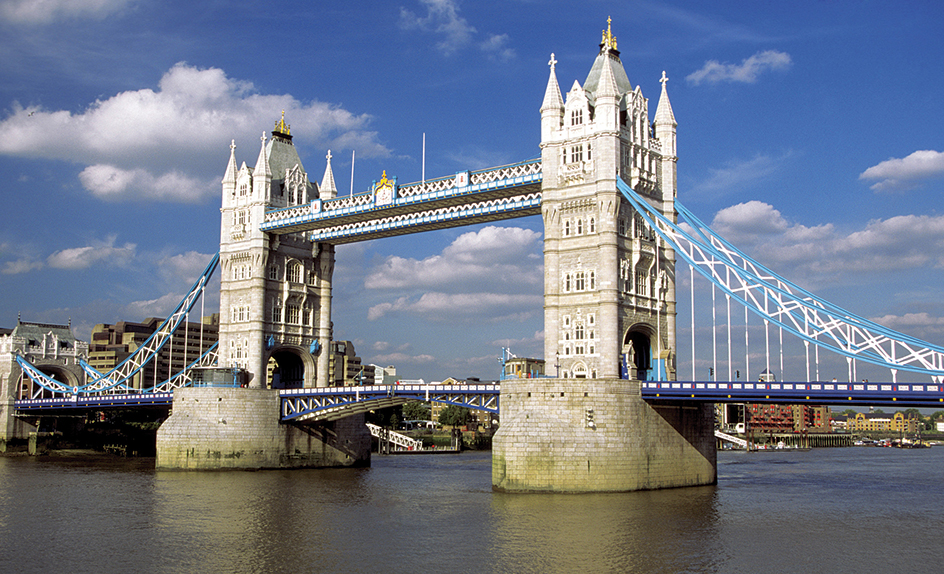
275,288
609,282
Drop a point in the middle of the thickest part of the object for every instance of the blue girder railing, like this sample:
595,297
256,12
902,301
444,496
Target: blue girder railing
821,393
332,403
469,197
94,402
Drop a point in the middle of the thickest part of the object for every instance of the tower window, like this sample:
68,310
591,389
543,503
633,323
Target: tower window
579,227
567,228
295,273
576,154
576,117
593,225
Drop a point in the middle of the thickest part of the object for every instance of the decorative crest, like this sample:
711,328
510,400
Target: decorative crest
609,40
282,127
385,190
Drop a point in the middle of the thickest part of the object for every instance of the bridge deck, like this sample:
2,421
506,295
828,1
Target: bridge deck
820,393
469,197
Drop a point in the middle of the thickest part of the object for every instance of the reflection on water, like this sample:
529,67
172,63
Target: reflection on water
818,511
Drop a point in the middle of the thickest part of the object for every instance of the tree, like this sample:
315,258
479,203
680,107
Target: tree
453,416
416,411
849,413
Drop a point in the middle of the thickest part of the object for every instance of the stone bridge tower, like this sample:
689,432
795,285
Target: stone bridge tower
275,290
609,283
609,305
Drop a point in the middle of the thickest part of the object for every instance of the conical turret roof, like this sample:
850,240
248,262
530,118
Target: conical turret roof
327,182
664,113
552,95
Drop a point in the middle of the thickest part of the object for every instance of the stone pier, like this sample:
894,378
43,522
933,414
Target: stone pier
227,428
598,435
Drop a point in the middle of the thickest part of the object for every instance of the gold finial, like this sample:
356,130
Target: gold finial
383,179
609,40
282,127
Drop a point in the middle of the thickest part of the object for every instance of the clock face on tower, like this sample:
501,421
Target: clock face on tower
383,191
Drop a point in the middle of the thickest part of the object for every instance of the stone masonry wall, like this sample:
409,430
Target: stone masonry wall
211,428
546,442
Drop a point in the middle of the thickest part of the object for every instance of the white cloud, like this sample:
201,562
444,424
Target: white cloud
159,307
745,72
22,265
442,18
738,174
897,174
157,145
184,267
825,255
491,256
922,324
99,252
48,11
460,306
110,182
495,47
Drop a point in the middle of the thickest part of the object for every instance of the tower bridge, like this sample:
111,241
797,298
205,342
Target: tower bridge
616,417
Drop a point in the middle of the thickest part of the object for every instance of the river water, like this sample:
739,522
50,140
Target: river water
826,510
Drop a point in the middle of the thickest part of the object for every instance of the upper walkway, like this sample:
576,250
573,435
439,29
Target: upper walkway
491,194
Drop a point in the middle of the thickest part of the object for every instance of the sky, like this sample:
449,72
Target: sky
810,134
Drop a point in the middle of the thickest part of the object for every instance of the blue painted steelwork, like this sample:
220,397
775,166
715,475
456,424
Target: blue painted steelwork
27,406
332,403
777,300
831,393
467,198
117,378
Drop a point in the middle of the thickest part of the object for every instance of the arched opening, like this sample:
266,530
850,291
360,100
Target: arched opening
30,391
637,353
580,371
285,370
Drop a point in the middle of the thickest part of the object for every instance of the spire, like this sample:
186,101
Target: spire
282,127
230,175
609,40
552,95
328,189
262,163
607,85
664,114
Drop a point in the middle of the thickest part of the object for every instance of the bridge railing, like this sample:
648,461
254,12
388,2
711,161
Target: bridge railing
818,393
329,403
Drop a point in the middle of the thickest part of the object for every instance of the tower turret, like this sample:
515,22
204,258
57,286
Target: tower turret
552,109
328,189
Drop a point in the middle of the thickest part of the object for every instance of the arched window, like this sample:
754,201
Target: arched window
593,225
567,228
579,227
567,283
592,281
295,272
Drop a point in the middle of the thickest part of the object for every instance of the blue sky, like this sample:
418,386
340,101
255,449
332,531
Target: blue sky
810,134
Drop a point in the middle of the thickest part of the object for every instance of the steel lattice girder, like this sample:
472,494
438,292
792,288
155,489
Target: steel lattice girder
775,299
331,403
